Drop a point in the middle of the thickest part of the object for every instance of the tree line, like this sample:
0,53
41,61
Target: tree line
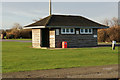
17,32
110,34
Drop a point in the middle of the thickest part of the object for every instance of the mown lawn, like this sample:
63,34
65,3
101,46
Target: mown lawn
21,39
106,43
19,56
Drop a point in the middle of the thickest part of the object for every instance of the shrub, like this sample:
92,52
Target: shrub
110,34
26,33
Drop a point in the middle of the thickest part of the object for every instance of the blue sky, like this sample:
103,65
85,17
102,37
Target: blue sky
25,12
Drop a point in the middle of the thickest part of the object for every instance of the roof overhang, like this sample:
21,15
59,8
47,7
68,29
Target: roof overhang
34,27
98,27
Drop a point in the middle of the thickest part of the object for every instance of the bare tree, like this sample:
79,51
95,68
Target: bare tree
111,22
17,26
106,22
114,22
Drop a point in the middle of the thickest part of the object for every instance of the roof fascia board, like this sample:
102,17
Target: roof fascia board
101,27
34,27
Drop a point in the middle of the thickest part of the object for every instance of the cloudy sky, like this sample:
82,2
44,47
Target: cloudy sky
25,12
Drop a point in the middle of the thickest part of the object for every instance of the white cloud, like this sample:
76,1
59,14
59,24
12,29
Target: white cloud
29,13
21,13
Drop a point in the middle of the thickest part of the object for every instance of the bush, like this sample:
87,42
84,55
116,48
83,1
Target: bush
14,34
108,35
26,34
101,35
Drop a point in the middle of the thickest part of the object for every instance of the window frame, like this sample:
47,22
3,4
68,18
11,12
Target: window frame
87,31
57,31
67,32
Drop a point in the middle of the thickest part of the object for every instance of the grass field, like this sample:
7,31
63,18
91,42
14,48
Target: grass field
19,56
106,43
21,39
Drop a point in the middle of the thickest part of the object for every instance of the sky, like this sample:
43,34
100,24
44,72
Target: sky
25,12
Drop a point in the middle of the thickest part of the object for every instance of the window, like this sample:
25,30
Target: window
90,30
82,30
67,31
86,31
71,30
57,31
63,30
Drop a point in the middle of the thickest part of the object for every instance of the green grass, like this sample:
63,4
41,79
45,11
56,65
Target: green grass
18,56
106,43
19,39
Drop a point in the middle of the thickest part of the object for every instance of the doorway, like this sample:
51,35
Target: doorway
45,37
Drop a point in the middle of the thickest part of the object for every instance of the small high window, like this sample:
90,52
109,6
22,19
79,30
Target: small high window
67,31
71,30
90,30
86,31
63,30
81,30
